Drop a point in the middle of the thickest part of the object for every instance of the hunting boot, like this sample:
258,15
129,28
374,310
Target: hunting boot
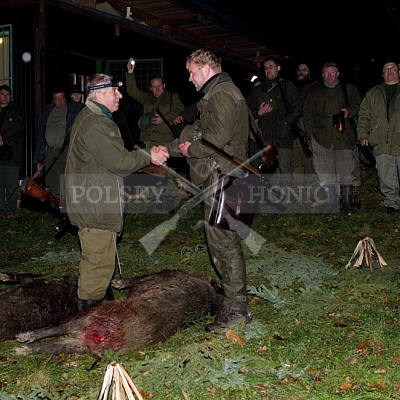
347,199
230,316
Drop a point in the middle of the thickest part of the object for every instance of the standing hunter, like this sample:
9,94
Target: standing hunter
224,122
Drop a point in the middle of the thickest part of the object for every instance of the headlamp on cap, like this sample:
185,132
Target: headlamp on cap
116,84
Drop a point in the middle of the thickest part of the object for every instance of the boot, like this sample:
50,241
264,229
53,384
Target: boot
347,198
229,317
331,199
84,305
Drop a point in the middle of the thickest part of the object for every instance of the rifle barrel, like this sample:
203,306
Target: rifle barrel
234,159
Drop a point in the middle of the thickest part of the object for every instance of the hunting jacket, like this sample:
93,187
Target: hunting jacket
287,110
96,163
41,146
373,124
12,130
224,122
169,103
320,106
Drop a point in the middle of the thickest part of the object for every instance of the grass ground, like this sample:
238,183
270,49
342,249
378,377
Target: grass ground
319,330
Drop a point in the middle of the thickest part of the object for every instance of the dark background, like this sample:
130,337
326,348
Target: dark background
359,35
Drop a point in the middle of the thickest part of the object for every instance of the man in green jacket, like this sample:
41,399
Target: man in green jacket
327,112
224,122
12,132
378,126
276,104
154,130
96,163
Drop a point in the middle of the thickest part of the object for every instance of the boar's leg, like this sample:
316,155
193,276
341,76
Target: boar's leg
56,330
66,346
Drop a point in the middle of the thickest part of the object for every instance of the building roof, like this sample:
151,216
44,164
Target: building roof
191,24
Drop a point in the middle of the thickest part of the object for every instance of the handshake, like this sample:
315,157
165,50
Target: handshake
159,154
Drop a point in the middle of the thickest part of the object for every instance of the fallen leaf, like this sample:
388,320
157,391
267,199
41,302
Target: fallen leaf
332,314
317,378
234,337
340,325
382,370
378,385
263,350
346,385
211,389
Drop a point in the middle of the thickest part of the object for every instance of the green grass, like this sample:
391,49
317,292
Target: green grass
319,330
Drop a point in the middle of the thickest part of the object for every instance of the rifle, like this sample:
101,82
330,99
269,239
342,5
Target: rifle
234,159
268,158
240,163
298,134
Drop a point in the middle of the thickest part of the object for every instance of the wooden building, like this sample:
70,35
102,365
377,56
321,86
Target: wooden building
48,43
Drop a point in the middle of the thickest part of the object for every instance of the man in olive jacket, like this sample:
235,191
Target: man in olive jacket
277,106
96,163
154,130
378,126
54,131
12,130
224,122
327,112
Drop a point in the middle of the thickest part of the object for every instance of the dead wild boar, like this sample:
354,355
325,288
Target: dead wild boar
35,303
156,307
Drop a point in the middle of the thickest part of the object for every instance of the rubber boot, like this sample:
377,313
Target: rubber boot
330,199
347,199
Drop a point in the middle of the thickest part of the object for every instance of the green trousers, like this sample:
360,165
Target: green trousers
97,265
226,253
